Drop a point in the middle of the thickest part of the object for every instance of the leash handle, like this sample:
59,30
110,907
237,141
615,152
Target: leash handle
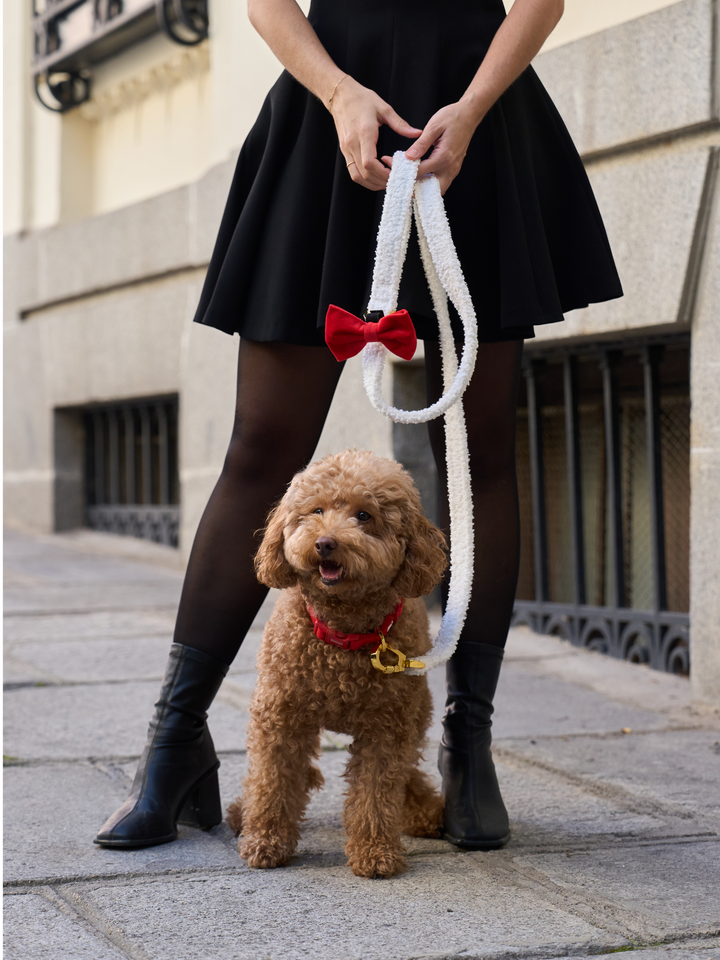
406,196
444,275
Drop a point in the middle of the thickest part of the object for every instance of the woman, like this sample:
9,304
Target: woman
447,80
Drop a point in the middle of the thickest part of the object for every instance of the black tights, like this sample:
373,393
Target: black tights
283,396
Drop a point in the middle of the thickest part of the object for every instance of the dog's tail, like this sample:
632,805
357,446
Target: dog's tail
234,816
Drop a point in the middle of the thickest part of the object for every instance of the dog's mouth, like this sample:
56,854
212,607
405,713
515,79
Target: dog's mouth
331,573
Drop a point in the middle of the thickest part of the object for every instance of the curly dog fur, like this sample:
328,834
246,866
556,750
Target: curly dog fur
349,538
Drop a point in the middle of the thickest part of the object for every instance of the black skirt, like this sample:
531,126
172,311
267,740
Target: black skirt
297,234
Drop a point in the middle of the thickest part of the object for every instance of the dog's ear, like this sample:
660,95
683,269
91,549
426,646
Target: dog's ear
425,559
271,567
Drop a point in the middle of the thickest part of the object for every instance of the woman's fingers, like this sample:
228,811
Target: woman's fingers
370,172
448,132
428,137
358,114
372,175
443,178
367,169
444,159
397,124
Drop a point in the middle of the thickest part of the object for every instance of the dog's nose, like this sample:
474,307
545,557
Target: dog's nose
325,546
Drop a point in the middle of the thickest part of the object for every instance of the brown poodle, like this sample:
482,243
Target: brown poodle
348,540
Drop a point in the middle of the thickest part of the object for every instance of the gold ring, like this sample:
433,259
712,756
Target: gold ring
350,164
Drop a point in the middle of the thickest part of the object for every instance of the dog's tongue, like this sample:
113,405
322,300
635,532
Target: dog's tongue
333,572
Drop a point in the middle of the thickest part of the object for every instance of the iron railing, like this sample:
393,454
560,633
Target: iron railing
603,471
131,469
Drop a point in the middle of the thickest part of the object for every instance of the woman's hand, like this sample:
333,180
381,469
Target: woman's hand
448,132
358,114
357,111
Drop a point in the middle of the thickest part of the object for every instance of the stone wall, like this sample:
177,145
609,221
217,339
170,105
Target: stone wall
705,473
641,102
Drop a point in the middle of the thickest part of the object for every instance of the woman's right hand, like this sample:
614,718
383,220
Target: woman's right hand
358,114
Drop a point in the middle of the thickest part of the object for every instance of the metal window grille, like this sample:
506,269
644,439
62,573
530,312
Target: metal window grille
604,476
131,469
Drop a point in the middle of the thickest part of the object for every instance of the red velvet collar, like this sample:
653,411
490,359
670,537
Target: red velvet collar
353,641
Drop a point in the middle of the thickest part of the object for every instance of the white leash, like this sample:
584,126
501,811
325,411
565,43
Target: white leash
404,196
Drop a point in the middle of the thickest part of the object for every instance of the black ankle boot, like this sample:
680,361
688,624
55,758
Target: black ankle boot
475,815
176,780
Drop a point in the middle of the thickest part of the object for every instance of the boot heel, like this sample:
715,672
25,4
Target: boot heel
202,808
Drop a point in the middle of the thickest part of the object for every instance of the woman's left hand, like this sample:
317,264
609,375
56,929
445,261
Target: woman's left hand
448,132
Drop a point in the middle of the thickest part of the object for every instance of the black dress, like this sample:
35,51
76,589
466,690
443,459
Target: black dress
297,234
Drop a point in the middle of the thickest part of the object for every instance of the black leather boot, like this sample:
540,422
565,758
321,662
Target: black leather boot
475,815
176,780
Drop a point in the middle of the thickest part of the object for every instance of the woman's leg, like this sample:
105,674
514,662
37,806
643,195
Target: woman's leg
475,815
283,396
490,404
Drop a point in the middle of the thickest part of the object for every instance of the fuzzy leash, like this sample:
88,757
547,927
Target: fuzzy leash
404,197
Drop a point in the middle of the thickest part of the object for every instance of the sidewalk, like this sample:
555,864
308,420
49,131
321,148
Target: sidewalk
611,778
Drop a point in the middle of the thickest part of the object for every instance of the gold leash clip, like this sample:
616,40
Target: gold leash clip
400,666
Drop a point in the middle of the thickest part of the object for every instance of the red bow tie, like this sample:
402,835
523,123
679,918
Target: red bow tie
346,334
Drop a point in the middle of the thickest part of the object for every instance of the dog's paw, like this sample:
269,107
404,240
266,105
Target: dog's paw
315,779
234,816
264,854
375,861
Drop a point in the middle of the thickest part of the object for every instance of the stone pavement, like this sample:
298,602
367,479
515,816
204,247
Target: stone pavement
610,776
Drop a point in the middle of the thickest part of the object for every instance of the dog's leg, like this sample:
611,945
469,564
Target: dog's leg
234,813
423,809
276,792
377,774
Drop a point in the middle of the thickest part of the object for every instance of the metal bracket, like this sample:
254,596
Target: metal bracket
67,89
184,21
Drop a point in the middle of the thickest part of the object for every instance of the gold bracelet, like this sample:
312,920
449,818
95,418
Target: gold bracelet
329,103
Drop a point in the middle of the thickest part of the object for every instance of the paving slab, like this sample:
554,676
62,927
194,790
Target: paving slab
443,906
57,598
103,544
618,680
671,888
95,647
59,552
523,644
81,661
529,703
90,626
679,768
244,662
37,929
684,950
57,809
52,566
97,720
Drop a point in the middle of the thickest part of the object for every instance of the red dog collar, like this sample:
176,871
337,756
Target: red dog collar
353,641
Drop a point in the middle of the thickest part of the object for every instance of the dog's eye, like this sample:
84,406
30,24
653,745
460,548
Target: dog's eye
319,510
363,517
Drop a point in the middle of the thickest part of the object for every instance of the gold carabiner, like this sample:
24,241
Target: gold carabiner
400,666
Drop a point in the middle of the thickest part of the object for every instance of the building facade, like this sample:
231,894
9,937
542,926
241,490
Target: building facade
118,408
